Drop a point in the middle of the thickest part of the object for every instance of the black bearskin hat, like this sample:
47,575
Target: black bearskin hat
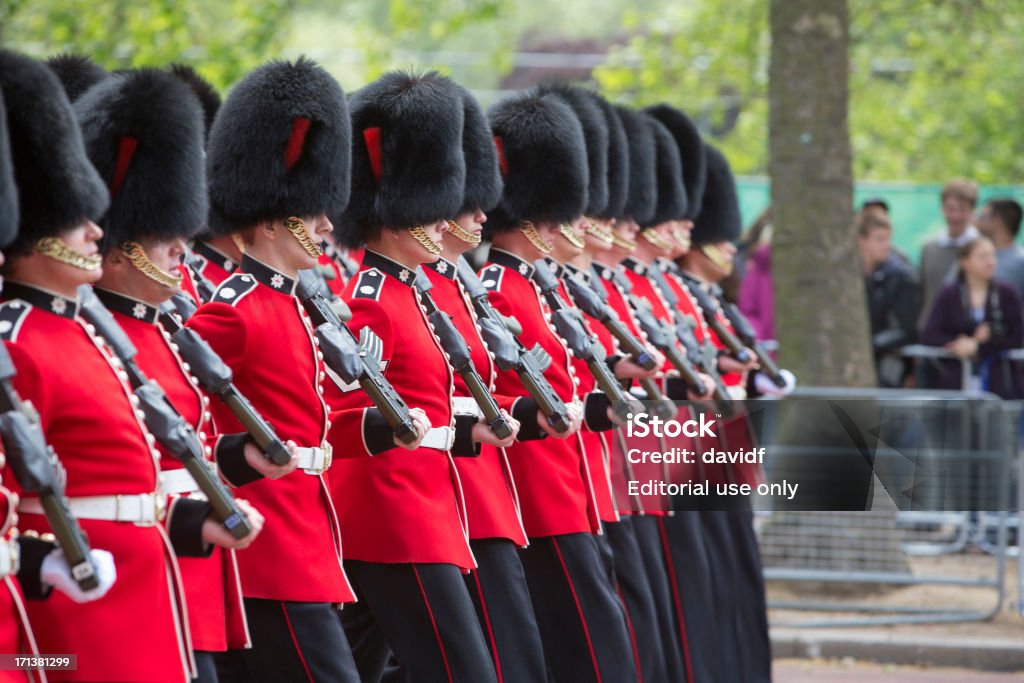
671,204
618,160
483,177
543,160
280,147
8,190
642,198
143,131
407,163
208,96
691,150
719,219
77,73
57,185
595,134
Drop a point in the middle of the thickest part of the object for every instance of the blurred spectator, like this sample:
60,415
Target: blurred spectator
939,254
891,296
999,221
879,206
756,298
978,317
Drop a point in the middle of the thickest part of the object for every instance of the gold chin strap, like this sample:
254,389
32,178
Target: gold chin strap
566,230
622,242
682,237
659,242
237,239
462,234
530,231
600,233
298,229
58,250
421,236
714,255
140,259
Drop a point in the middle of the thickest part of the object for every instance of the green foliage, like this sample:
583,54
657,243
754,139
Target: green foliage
933,83
223,39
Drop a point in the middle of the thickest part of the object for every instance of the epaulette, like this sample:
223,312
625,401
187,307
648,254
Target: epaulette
369,285
12,315
234,289
491,277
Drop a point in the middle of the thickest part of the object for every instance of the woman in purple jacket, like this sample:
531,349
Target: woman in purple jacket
978,317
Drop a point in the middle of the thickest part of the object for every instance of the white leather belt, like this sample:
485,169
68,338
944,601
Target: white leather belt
9,557
465,405
314,460
440,438
176,482
143,509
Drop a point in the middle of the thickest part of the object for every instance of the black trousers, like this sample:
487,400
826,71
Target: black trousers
699,609
424,615
634,588
294,642
502,601
206,668
581,619
651,541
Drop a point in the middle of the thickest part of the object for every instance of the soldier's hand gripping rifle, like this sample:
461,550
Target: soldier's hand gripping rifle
27,452
569,325
510,354
710,308
351,359
216,378
745,331
594,302
459,356
165,423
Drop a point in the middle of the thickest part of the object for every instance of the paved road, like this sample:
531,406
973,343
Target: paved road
793,671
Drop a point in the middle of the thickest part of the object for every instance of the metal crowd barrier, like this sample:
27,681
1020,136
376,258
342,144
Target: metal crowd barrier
828,562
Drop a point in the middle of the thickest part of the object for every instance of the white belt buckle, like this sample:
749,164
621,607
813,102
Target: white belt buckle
143,509
315,460
465,405
440,438
176,482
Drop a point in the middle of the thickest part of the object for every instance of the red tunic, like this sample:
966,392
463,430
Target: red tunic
15,633
396,505
212,592
552,475
213,264
87,417
260,330
492,504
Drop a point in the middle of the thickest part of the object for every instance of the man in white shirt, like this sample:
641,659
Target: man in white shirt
939,254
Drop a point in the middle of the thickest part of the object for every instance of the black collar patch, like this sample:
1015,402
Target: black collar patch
42,299
126,305
266,275
512,262
443,267
389,267
215,255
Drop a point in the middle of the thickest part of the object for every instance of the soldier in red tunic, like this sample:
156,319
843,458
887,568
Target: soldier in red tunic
277,164
582,621
402,509
497,585
84,403
158,199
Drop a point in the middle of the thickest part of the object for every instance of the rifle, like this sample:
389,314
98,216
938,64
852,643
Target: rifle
353,360
165,423
709,306
28,453
510,354
216,378
461,361
592,299
569,325
662,336
746,333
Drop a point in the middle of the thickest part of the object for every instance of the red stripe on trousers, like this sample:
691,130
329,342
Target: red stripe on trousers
632,635
579,610
433,622
295,642
675,598
487,623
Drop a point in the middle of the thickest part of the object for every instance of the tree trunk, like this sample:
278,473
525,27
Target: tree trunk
820,311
